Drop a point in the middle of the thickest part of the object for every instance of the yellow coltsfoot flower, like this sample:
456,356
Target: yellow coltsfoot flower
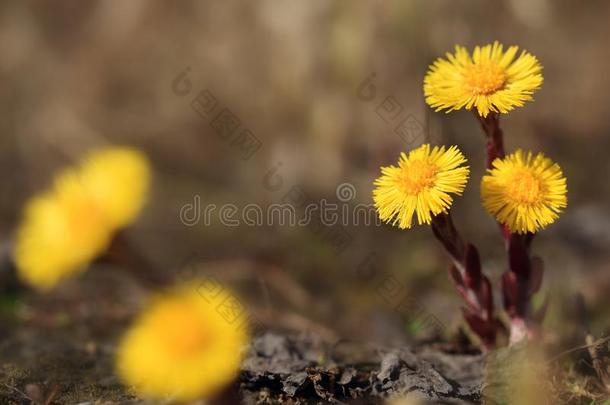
489,80
421,183
187,345
119,178
524,192
68,226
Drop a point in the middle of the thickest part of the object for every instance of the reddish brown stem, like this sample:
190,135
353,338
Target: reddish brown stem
524,276
494,147
519,284
494,136
471,283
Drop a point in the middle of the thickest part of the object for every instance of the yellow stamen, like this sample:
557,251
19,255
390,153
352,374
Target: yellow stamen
484,78
524,188
418,176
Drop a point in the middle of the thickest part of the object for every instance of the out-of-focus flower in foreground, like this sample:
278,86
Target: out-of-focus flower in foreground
519,375
489,80
421,183
524,192
66,227
183,347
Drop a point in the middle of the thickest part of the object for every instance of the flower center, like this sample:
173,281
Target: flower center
484,78
417,176
181,331
524,188
85,219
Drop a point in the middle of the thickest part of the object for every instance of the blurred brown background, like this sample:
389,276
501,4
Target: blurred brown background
77,75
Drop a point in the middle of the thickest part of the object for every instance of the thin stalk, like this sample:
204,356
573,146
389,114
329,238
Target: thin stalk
517,281
471,283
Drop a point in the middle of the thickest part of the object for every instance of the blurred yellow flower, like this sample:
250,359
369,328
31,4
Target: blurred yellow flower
68,226
489,80
420,184
524,192
187,345
119,179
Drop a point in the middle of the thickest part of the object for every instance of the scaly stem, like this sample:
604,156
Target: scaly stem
471,283
494,147
522,280
494,136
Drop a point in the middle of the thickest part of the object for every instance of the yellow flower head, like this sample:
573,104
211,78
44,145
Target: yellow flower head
421,183
490,79
66,227
187,345
524,192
